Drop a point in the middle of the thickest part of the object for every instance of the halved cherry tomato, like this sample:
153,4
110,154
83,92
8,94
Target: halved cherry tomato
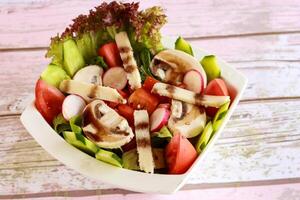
149,83
215,87
48,100
142,99
180,154
127,112
110,54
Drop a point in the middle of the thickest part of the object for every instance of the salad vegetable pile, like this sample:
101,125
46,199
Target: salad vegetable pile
113,91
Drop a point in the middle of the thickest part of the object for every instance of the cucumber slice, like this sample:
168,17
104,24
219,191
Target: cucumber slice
80,142
161,138
53,75
184,46
211,67
130,160
73,60
220,115
205,136
109,157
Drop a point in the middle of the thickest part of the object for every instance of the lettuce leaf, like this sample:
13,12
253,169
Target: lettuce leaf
103,22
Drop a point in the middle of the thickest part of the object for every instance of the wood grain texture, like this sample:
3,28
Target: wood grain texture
21,22
266,150
267,61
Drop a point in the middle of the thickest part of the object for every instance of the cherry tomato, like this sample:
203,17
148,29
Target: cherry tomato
149,83
48,100
110,54
142,99
180,154
127,112
215,87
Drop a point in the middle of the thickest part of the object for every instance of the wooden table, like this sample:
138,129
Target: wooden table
259,146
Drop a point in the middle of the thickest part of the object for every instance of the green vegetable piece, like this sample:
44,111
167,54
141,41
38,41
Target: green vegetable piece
80,142
53,75
86,47
98,60
182,45
145,60
60,124
130,160
73,60
204,138
211,67
161,138
76,124
220,115
109,157
55,51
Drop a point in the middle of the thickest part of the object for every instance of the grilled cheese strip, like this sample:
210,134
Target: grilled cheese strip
129,63
142,134
90,91
188,96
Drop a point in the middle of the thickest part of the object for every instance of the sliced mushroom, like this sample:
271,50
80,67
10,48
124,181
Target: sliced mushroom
170,66
104,126
89,74
186,119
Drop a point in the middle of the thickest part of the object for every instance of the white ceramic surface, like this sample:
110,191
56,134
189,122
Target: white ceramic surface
122,178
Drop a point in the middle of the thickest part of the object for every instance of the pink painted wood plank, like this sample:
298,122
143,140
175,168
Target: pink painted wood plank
21,22
269,192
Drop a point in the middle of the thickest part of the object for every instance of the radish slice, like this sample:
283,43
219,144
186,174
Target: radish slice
72,105
193,81
159,118
164,105
115,77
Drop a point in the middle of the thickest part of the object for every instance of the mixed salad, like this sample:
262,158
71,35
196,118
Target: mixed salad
113,91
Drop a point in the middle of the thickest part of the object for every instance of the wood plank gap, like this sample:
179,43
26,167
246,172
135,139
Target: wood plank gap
270,99
23,49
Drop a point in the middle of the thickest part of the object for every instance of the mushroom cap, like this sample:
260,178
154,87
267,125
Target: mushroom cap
178,61
104,126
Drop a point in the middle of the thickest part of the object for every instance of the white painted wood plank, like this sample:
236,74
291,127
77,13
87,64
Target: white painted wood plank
268,149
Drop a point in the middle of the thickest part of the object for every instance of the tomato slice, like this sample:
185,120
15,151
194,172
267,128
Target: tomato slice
215,87
110,54
127,112
48,100
149,83
142,99
180,154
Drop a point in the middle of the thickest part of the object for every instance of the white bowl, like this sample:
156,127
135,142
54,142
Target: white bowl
123,178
